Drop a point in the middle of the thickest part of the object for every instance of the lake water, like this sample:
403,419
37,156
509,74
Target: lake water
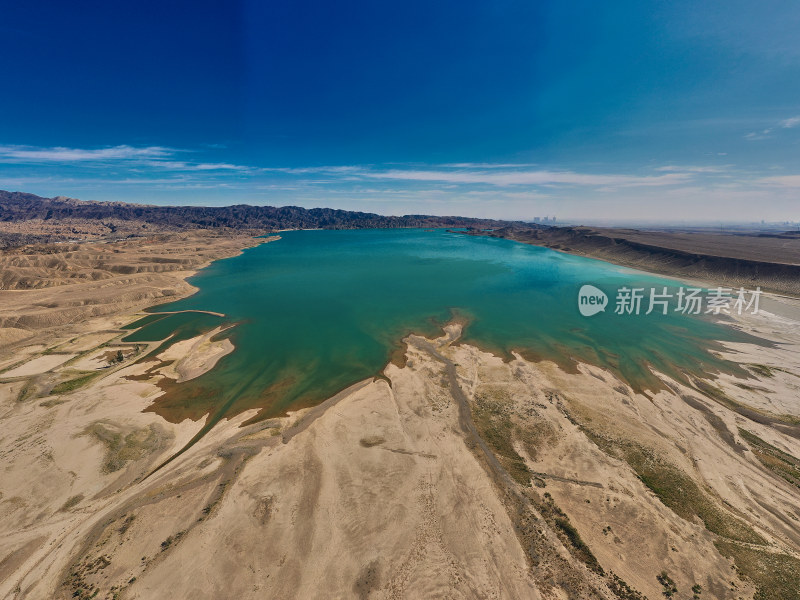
319,310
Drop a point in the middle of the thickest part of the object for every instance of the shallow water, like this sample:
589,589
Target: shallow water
319,310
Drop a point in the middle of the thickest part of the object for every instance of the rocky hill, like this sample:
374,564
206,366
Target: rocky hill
27,218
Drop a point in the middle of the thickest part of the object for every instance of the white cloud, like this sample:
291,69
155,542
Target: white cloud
138,161
488,165
759,135
539,177
303,170
768,132
147,156
19,154
175,165
693,169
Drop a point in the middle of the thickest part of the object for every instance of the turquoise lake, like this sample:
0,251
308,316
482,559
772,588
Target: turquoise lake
319,310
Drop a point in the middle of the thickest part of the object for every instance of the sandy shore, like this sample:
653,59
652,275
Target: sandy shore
193,357
455,475
388,492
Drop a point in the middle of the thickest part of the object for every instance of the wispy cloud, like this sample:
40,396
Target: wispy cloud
526,177
176,165
759,135
694,169
789,123
158,157
484,165
769,132
305,170
160,160
59,154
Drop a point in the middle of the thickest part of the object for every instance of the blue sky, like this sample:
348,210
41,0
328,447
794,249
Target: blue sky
679,111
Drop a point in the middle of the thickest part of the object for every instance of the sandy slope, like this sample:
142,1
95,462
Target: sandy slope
382,491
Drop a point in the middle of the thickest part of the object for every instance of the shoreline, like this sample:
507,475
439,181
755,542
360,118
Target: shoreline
569,364
780,303
612,246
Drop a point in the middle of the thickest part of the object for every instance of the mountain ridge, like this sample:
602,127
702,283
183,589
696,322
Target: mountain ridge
17,207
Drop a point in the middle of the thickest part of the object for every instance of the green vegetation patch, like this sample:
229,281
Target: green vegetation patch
77,581
567,532
494,425
776,576
73,384
776,460
125,446
675,488
72,502
717,394
762,370
27,391
622,590
173,539
535,436
670,589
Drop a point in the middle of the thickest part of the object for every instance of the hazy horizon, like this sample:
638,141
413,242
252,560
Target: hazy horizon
542,219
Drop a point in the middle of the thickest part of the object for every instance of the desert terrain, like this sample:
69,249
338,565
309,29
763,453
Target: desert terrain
48,290
746,257
453,474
